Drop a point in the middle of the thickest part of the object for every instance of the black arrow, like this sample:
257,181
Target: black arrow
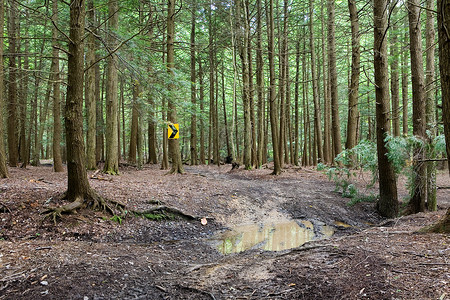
174,131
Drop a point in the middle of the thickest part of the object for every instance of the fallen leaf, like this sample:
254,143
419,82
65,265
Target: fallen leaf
204,221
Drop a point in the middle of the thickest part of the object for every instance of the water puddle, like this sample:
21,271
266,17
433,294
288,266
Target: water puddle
271,237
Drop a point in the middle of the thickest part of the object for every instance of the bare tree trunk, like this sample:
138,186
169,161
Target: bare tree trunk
388,203
336,128
134,125
99,144
327,152
3,168
443,19
430,106
353,93
174,146
395,95
272,92
78,185
193,140
444,68
12,88
315,79
91,163
417,202
57,159
227,135
202,98
259,86
296,103
112,157
405,71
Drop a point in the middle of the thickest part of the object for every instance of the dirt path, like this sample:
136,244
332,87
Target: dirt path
89,256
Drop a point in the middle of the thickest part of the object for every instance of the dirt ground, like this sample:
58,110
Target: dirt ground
89,255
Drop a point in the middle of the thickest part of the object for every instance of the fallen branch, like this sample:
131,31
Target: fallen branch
5,207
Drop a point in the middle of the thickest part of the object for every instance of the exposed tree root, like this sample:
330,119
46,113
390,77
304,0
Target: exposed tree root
90,200
167,211
442,226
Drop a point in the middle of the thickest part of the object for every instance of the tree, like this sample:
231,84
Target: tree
336,127
174,147
395,88
388,203
193,140
444,66
431,125
353,93
12,87
315,86
417,202
3,168
79,192
443,18
57,159
91,162
272,94
112,139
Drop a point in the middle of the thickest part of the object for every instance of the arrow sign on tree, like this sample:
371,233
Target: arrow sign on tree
173,131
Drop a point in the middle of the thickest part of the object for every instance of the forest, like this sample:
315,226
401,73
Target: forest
164,127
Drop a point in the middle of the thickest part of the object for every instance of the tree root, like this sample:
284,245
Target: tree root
167,211
90,200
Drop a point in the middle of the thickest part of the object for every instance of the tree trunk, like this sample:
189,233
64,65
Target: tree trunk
272,92
57,159
444,67
296,103
417,202
327,152
315,86
112,139
91,163
99,139
335,123
134,124
443,18
227,135
77,184
174,146
395,95
259,86
12,88
353,93
202,98
193,140
405,72
388,203
430,106
3,168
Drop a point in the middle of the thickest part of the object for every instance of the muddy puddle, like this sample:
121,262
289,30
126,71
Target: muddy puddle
270,237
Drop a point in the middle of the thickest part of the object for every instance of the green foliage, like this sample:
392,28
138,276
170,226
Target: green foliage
117,219
157,216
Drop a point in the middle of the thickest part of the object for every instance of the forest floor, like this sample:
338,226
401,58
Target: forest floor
89,255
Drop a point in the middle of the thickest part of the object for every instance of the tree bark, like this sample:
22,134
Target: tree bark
174,146
353,93
388,203
327,152
77,182
259,86
193,140
430,106
12,88
134,124
315,86
417,202
395,93
57,158
335,123
405,71
112,139
91,163
202,98
3,168
444,68
272,92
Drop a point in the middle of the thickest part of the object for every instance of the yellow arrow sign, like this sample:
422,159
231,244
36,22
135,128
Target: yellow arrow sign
173,131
